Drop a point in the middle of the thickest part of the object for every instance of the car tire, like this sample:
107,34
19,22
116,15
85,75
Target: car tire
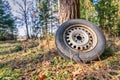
80,40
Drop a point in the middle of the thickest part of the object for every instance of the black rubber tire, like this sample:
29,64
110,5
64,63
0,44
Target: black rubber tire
66,52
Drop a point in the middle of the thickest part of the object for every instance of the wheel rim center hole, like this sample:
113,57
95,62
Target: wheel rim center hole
79,38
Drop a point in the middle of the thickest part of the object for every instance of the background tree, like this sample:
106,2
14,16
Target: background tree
87,11
53,14
6,21
118,18
35,29
47,15
107,15
44,15
23,11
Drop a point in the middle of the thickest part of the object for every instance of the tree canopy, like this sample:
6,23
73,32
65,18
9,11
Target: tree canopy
6,20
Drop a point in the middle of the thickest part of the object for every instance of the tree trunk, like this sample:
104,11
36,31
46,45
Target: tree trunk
26,21
68,9
28,37
51,22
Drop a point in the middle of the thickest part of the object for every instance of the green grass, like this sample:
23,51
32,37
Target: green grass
18,65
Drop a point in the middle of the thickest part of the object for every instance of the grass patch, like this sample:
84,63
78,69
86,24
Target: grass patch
7,73
107,53
31,65
17,48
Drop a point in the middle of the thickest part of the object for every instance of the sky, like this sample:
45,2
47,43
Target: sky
95,1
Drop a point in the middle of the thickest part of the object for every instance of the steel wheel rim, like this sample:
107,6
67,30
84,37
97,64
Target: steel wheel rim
80,38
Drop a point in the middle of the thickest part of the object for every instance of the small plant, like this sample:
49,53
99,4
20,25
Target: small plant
108,52
18,48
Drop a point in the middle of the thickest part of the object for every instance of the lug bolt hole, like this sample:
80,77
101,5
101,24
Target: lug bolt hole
71,44
74,46
78,48
87,46
68,40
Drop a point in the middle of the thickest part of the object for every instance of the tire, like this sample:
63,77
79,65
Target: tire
80,40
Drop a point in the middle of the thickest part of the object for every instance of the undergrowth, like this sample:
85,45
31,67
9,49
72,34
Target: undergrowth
38,63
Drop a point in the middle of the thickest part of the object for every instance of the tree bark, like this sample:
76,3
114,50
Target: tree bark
68,9
26,21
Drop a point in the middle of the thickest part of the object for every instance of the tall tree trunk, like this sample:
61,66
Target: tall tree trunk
68,9
51,22
26,23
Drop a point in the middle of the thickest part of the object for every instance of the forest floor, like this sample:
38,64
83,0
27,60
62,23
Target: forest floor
36,60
